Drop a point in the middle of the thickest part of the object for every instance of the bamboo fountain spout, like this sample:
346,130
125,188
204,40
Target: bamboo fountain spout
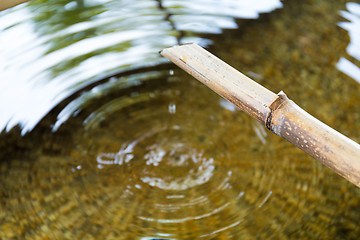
276,111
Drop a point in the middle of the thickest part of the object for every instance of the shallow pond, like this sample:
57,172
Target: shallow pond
101,138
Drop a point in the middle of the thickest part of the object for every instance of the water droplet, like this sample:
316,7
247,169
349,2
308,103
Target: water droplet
172,108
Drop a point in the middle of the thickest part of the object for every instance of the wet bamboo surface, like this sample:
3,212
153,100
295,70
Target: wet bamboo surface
278,113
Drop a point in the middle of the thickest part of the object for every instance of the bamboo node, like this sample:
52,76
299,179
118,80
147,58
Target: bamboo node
275,103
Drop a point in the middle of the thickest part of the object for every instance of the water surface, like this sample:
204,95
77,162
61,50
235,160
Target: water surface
103,139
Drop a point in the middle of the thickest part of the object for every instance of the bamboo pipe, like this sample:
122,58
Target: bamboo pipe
277,112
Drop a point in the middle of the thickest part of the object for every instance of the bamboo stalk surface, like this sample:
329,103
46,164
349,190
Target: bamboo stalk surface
275,111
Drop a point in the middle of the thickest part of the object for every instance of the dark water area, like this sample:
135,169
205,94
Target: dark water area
102,138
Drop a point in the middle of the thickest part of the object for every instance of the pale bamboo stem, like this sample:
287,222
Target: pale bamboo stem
234,86
279,114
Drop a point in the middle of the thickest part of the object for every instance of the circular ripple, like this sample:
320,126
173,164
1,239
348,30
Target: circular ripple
168,161
180,162
163,159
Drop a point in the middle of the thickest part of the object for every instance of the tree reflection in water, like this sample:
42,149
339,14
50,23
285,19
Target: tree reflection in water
54,48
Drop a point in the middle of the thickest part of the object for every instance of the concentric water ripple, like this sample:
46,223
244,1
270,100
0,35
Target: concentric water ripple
191,167
152,154
172,166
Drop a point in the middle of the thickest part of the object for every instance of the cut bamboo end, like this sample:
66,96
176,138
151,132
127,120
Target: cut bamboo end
275,111
223,79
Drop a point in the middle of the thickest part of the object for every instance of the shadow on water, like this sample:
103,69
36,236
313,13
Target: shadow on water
102,138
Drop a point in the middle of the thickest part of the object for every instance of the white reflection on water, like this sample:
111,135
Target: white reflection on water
239,8
353,49
260,132
228,105
349,68
179,220
222,229
177,156
211,16
29,89
195,177
48,53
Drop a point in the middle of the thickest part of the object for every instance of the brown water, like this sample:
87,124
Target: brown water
153,154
